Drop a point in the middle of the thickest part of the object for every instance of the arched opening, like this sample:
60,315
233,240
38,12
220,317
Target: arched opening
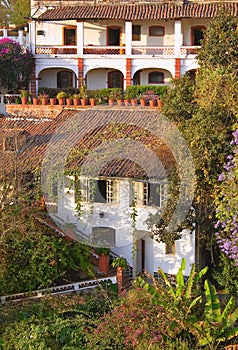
115,79
104,236
64,79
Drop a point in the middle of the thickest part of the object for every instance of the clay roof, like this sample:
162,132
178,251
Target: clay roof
112,142
138,11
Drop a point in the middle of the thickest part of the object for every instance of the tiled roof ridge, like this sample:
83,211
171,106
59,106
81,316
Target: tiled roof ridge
136,11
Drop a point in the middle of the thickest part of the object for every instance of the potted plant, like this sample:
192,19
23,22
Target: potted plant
127,99
35,100
61,96
44,98
103,259
142,100
69,100
24,96
76,99
83,95
53,101
159,103
119,262
114,94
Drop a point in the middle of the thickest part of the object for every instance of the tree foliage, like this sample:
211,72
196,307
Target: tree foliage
14,12
16,64
227,204
205,109
219,46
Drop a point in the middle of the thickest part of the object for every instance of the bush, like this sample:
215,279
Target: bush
136,90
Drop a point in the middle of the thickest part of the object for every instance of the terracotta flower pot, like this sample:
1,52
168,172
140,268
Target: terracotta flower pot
61,101
152,103
35,101
76,101
127,102
159,103
53,101
142,102
92,101
133,102
44,101
24,100
111,103
120,102
84,101
69,101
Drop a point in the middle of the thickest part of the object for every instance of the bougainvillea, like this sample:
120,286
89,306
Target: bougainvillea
16,64
227,204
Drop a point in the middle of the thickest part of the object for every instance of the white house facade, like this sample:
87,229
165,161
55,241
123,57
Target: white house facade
116,44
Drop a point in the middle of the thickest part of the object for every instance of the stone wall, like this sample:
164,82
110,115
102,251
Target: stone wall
35,111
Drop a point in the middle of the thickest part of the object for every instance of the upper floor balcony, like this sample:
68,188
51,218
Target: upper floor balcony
102,51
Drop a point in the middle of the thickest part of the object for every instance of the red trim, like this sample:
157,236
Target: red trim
177,67
128,72
80,72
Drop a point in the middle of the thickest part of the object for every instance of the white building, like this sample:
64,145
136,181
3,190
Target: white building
117,44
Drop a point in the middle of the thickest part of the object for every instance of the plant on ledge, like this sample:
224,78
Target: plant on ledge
24,93
119,262
62,94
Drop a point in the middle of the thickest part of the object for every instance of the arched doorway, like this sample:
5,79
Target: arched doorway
115,79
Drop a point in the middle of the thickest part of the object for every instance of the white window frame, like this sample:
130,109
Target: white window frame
140,193
87,194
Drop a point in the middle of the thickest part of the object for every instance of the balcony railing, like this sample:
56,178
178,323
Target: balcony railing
116,50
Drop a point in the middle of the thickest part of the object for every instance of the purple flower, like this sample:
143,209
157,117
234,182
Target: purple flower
221,177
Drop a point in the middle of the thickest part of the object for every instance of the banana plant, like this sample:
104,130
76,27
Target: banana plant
178,300
185,312
216,326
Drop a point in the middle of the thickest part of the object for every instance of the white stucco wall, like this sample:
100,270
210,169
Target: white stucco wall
117,216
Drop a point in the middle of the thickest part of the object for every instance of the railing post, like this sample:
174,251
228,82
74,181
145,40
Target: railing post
177,38
128,35
80,38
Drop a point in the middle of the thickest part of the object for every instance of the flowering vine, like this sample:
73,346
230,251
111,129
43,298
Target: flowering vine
16,63
227,204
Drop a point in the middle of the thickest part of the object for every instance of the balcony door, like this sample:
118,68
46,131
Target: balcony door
113,36
115,79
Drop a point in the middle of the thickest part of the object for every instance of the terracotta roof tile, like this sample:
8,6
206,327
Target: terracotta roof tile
132,12
93,129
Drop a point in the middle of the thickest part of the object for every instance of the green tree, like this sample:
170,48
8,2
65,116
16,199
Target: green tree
212,111
14,11
16,64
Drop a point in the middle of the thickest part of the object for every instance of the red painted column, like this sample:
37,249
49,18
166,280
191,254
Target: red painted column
80,72
177,67
33,80
128,72
103,264
120,280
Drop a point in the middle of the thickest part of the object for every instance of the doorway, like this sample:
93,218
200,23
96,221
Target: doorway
115,79
144,255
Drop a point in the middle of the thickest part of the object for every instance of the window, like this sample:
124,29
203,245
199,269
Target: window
69,36
113,36
197,34
97,191
64,79
136,33
103,236
156,31
170,248
150,194
156,78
